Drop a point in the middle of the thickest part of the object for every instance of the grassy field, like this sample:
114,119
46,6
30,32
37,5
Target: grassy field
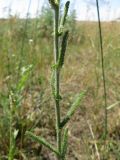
26,57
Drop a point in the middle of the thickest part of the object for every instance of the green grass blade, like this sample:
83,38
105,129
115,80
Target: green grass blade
103,70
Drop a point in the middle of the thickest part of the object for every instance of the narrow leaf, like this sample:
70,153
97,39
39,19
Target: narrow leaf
72,109
63,49
65,143
42,141
63,19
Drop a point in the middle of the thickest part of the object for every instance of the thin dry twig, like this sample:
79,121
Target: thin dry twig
95,144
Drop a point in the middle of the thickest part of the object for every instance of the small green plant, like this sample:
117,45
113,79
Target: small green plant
13,132
59,54
14,103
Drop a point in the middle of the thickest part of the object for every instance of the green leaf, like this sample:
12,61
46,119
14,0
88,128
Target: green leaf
43,142
63,49
73,108
63,19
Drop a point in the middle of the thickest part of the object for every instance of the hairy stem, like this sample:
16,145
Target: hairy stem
57,75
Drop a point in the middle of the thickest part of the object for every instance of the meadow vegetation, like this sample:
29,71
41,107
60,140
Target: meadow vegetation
26,102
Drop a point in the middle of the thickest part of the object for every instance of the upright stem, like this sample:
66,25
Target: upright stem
103,71
57,75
